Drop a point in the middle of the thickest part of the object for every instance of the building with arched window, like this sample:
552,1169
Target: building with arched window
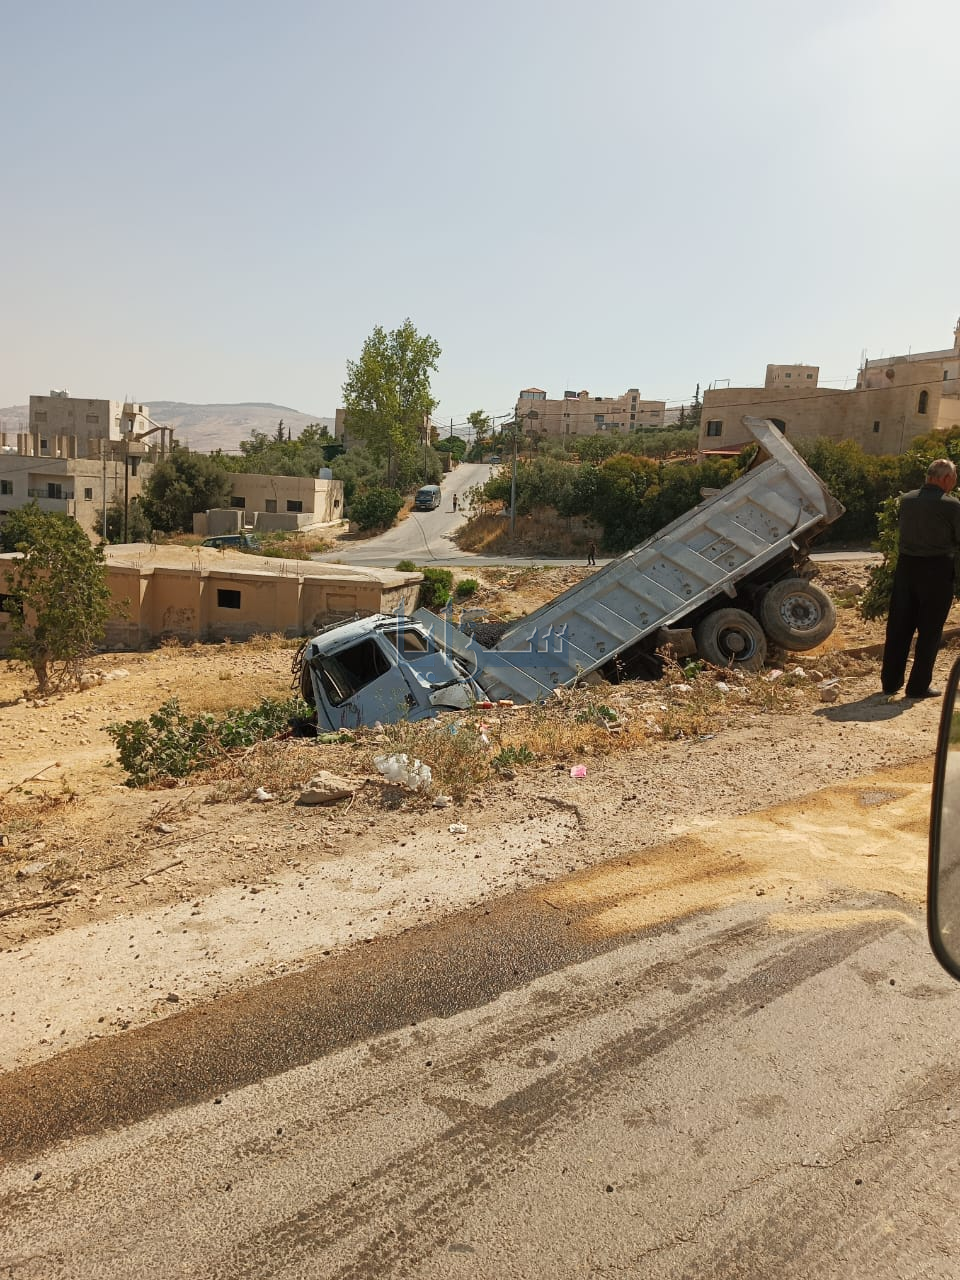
896,399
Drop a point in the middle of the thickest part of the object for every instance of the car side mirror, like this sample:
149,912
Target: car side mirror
943,870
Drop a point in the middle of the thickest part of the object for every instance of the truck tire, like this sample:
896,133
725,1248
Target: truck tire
796,615
731,638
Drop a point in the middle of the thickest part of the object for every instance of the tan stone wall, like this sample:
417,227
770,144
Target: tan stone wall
153,601
881,421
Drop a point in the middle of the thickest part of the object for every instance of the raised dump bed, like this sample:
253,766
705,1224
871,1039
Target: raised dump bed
724,580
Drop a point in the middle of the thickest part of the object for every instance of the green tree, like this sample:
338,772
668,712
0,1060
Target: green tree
138,526
375,508
181,485
480,423
57,597
387,394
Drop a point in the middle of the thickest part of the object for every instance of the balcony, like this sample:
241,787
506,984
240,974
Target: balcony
45,493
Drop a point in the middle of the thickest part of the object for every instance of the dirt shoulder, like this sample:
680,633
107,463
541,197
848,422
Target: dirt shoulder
120,906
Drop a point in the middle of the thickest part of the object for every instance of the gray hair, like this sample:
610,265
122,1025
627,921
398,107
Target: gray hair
940,469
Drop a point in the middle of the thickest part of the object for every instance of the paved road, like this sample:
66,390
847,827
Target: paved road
423,536
535,1088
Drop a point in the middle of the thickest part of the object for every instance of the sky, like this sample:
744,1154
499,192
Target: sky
216,201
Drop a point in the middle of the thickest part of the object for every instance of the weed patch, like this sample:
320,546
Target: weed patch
170,744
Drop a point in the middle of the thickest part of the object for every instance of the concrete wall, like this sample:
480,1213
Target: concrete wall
200,600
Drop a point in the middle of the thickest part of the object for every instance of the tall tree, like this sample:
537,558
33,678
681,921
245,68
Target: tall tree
182,484
480,423
387,393
56,595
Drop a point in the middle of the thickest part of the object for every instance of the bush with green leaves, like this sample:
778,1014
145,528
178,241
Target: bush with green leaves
375,508
406,566
435,588
56,596
466,588
171,744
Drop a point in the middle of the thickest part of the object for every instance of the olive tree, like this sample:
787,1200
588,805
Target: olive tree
56,596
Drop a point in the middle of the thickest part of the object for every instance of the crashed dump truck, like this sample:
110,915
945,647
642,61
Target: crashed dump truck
724,581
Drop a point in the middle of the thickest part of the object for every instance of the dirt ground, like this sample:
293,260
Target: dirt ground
118,906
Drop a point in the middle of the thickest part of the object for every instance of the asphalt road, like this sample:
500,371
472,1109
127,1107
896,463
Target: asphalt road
529,1089
424,537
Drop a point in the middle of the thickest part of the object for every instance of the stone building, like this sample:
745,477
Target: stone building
896,399
192,593
78,456
580,414
268,503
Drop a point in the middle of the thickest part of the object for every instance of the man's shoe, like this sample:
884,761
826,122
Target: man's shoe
927,693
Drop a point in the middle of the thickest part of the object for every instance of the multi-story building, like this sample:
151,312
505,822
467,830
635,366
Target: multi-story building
79,456
580,414
896,399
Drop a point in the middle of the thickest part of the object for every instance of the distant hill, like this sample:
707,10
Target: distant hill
206,427
203,427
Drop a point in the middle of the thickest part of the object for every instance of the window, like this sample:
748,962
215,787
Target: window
598,419
788,375
347,672
93,419
633,416
410,643
54,490
715,427
40,416
270,505
294,504
922,402
6,486
876,427
227,599
44,445
88,495
239,503
809,377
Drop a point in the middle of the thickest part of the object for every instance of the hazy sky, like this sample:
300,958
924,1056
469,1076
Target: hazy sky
216,201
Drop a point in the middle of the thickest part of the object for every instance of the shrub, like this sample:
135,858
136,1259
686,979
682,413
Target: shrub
56,596
435,588
375,508
171,744
406,566
468,587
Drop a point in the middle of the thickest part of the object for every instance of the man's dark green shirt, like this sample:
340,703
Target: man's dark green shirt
929,522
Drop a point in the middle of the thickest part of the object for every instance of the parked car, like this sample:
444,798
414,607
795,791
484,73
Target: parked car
233,542
427,498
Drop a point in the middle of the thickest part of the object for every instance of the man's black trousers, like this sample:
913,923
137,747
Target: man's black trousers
921,599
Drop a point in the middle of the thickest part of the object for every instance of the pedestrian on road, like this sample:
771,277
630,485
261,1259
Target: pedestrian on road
592,553
454,502
923,581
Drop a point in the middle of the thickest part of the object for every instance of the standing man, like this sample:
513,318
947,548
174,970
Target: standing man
592,553
923,581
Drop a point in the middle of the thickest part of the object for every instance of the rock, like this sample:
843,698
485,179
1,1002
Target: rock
164,828
829,693
326,788
261,795
457,829
89,679
173,998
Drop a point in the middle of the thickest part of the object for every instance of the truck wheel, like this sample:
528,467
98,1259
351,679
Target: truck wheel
731,638
797,615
